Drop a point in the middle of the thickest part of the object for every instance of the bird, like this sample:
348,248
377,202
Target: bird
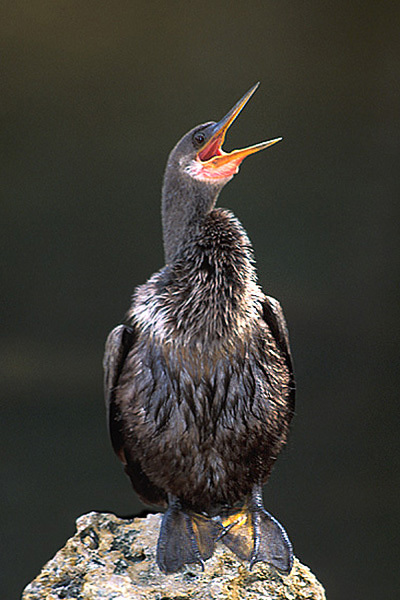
199,382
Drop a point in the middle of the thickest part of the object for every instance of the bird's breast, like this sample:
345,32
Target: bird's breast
210,293
201,310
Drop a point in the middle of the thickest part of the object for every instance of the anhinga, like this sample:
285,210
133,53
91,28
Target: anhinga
199,384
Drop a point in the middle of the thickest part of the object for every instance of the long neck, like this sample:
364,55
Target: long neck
185,203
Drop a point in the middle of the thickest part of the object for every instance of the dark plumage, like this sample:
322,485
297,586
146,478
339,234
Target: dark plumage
199,384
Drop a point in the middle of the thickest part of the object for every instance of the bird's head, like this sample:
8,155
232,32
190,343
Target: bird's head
198,156
197,170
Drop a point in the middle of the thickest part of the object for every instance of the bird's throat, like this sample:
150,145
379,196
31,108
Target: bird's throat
185,205
208,171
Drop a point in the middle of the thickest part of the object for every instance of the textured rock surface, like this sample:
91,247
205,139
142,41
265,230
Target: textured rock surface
114,559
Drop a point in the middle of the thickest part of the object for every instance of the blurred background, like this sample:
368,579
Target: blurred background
94,96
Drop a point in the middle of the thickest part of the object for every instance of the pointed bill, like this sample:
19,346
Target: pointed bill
219,164
217,138
237,156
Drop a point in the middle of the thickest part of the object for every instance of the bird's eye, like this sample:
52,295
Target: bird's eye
199,138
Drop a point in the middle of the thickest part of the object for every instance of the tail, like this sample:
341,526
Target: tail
185,538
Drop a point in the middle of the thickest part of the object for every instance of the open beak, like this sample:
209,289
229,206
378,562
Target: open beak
219,163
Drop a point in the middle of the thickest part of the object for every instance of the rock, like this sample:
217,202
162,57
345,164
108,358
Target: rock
114,559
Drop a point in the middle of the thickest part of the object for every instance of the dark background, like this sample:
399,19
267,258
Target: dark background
93,97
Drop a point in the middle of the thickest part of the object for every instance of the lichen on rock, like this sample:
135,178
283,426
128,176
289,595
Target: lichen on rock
114,559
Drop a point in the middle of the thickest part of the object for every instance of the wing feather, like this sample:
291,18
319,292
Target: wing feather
118,344
275,319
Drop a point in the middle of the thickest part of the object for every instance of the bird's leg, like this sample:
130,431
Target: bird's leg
185,537
271,542
255,535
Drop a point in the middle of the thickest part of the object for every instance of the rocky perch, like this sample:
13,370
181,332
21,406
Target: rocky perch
114,559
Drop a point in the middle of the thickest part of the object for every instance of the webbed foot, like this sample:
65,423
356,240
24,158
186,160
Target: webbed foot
256,536
185,537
